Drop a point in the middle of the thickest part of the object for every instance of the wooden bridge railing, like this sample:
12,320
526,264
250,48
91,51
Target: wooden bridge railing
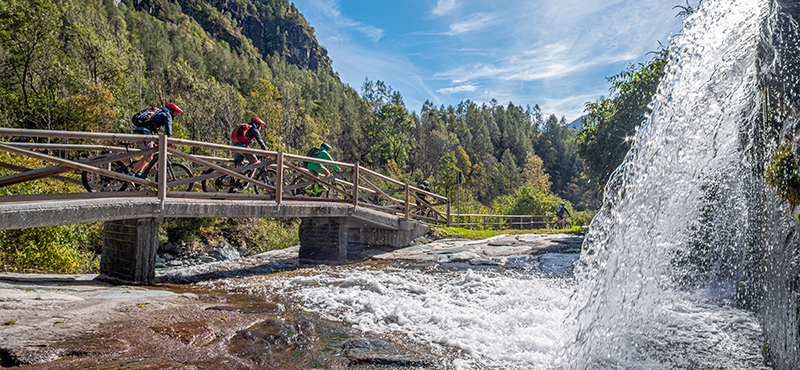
528,222
279,177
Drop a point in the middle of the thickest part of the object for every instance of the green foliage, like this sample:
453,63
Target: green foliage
60,249
87,65
454,232
606,133
57,249
783,175
528,201
257,234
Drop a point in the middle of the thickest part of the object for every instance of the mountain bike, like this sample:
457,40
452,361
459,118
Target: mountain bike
94,182
302,186
227,183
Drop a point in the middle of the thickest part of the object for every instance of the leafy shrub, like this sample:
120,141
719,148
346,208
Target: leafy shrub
528,201
55,249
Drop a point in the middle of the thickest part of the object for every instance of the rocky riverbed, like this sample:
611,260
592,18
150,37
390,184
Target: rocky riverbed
73,321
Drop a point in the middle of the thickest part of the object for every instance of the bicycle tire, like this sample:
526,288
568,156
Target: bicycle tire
219,184
183,172
267,176
95,183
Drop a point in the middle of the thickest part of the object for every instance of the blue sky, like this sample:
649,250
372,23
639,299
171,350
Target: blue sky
555,53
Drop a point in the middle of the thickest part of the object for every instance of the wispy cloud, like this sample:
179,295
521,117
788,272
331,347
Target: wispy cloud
477,21
570,107
341,23
458,89
373,33
444,7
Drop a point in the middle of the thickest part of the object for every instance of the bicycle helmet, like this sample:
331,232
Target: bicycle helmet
325,146
174,108
257,122
425,183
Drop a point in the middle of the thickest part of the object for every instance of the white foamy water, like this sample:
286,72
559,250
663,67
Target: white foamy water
655,286
501,319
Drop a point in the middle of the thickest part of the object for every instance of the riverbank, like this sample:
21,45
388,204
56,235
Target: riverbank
73,321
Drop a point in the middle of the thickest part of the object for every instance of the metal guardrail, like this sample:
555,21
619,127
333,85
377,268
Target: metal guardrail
354,184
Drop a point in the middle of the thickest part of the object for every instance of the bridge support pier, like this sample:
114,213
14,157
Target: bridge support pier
332,239
323,239
129,251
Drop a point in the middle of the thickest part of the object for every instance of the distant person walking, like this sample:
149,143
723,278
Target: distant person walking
562,221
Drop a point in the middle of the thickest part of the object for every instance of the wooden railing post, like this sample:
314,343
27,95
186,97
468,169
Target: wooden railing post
162,168
448,212
484,222
279,179
407,208
355,185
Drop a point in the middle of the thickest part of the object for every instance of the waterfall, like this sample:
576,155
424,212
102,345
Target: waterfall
688,213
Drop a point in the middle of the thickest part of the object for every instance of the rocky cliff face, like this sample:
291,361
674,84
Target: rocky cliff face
271,26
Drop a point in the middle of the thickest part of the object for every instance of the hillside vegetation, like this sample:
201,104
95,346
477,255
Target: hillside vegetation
88,65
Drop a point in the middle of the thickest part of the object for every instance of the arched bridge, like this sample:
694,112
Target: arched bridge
348,210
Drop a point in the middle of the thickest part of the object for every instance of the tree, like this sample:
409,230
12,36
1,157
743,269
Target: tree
534,175
607,130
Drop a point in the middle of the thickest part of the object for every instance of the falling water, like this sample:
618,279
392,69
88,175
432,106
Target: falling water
683,213
669,277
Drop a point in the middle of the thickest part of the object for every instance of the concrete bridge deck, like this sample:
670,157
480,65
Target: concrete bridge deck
329,231
64,212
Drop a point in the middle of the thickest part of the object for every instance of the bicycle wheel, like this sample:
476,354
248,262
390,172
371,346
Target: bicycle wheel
218,184
176,171
268,176
94,182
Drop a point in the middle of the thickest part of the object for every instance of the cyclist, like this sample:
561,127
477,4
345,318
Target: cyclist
562,221
423,198
161,118
243,135
318,169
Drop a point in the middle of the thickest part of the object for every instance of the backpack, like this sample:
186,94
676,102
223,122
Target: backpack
312,153
239,134
140,119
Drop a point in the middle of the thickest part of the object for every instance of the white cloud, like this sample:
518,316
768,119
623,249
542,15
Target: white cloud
340,23
374,34
444,7
570,107
477,21
458,89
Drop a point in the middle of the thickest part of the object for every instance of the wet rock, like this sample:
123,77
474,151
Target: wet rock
457,257
10,357
265,342
500,261
95,347
456,250
167,257
224,253
138,364
265,308
193,333
502,243
160,262
169,248
507,251
382,352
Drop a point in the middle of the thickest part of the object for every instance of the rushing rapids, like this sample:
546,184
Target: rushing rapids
690,264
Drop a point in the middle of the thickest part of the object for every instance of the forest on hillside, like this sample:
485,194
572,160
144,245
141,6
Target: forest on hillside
89,65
